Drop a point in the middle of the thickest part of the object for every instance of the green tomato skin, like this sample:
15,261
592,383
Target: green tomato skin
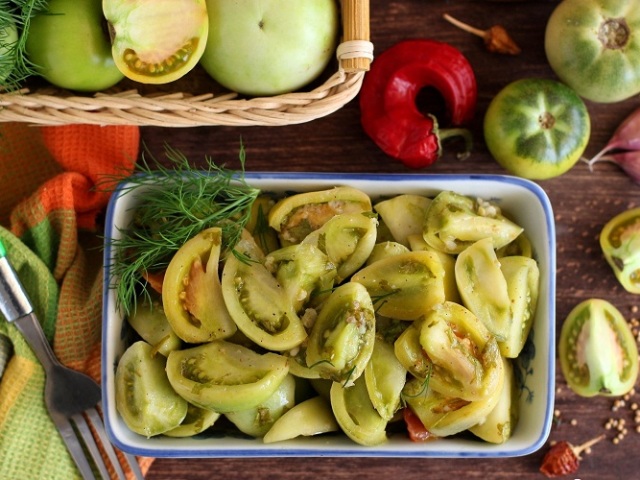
522,143
580,59
69,48
8,41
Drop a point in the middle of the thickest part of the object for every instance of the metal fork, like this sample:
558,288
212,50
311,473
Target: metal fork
71,397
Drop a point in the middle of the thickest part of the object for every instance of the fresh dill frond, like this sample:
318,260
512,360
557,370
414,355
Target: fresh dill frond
173,205
16,16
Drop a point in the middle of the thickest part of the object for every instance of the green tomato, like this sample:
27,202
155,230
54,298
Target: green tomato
597,350
69,47
594,47
537,128
8,42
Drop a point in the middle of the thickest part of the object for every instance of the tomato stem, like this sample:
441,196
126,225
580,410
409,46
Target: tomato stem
465,134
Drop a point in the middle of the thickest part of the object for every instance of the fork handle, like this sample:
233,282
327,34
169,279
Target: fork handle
16,307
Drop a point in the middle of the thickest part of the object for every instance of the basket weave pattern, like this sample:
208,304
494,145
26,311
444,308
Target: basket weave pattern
182,109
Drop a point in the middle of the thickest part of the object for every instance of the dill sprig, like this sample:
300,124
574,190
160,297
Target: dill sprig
174,205
16,15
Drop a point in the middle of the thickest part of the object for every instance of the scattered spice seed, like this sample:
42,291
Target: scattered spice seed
563,458
496,38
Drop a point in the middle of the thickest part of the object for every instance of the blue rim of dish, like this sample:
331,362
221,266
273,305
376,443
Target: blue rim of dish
372,452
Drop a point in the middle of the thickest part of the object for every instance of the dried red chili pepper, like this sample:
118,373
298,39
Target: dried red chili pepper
389,114
563,458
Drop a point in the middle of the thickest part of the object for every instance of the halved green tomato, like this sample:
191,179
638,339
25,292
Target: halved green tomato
404,286
147,44
144,397
225,377
150,322
257,421
465,356
342,338
598,352
537,128
347,239
311,417
620,243
356,415
191,290
297,216
456,221
256,301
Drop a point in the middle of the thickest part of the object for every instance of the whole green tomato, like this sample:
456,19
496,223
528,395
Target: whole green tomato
594,47
70,48
8,42
537,128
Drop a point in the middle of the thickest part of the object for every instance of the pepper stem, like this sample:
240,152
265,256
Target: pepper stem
581,448
447,133
464,26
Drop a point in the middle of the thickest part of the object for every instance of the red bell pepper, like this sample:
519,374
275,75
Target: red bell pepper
389,114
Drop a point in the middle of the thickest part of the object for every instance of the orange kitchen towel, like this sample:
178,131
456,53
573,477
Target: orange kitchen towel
50,213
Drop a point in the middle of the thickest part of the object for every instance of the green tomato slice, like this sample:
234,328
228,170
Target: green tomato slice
403,215
356,415
342,338
150,322
311,417
225,377
598,352
384,378
620,244
347,239
258,303
465,356
297,216
523,285
257,421
448,261
196,421
409,352
500,423
443,415
144,397
454,222
384,250
404,286
191,290
482,286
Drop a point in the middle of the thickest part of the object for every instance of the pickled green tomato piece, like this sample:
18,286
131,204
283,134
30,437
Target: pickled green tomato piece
409,351
257,303
482,286
150,322
417,244
443,415
297,216
523,286
311,417
598,352
620,243
191,292
342,338
500,423
384,378
347,239
144,397
257,421
225,377
404,286
356,415
258,224
403,215
385,249
521,246
465,357
303,271
197,421
454,222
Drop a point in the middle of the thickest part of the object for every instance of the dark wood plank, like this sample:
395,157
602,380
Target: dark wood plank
583,201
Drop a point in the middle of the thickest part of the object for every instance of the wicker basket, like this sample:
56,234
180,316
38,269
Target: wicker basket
50,106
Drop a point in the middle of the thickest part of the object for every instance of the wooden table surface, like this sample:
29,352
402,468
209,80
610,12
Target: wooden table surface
582,201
